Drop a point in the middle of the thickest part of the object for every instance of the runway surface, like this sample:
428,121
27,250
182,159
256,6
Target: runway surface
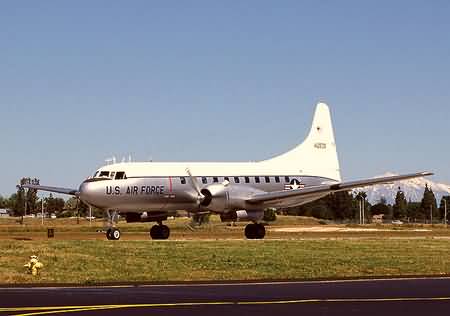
360,297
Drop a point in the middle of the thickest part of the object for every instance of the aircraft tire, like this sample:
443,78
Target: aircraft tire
155,232
250,231
164,232
159,232
109,234
260,231
255,231
115,234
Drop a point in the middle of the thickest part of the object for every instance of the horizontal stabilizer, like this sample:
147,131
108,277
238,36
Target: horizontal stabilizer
51,189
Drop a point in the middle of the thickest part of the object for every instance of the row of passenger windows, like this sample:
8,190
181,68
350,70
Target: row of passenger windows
110,175
257,179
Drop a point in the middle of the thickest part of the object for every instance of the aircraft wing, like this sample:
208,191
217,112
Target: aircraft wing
301,196
51,189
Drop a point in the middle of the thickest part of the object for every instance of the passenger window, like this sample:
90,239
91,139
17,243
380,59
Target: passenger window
247,179
120,175
277,179
236,180
257,180
267,179
204,180
183,180
226,179
215,179
286,179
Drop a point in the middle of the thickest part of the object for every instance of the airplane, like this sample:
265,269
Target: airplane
149,191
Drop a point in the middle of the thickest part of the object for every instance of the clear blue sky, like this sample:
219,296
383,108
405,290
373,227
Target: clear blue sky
81,81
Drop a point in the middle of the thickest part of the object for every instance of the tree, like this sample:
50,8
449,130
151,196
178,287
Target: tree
428,205
414,211
342,205
382,208
400,208
76,207
54,205
3,202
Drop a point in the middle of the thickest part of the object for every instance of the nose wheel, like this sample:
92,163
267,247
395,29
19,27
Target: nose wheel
113,233
159,232
255,231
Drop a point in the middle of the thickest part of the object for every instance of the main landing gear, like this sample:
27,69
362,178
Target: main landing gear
159,231
255,231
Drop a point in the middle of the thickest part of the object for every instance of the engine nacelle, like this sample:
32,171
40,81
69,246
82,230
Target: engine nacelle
242,215
223,197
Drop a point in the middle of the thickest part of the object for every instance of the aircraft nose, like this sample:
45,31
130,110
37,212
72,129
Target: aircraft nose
85,192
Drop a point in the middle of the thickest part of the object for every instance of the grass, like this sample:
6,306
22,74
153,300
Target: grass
90,262
80,255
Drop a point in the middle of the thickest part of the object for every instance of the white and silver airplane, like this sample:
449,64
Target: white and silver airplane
148,191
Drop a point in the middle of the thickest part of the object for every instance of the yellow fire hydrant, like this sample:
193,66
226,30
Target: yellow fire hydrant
34,265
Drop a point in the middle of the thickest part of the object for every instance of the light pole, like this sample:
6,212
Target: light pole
445,212
42,210
360,212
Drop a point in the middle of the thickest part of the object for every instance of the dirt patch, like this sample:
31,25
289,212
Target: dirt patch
333,229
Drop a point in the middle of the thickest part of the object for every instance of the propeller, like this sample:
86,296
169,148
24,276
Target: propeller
195,185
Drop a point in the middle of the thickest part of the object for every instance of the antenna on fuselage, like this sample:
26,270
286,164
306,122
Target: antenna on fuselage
111,160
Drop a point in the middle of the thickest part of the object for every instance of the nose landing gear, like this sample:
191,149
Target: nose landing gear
113,233
255,231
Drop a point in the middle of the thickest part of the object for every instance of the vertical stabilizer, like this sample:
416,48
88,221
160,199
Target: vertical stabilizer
317,155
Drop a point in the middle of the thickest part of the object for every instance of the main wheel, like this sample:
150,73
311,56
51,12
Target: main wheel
255,231
159,232
164,232
250,231
260,231
155,232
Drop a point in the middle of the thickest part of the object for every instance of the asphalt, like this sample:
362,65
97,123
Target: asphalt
351,297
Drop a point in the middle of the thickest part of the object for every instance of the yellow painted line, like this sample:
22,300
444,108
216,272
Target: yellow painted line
68,309
65,311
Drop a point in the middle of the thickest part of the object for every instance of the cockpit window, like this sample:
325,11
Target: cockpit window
112,174
96,173
104,174
120,175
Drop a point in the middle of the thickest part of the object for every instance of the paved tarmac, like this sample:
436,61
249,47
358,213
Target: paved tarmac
361,297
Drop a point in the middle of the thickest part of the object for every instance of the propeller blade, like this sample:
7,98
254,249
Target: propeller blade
195,184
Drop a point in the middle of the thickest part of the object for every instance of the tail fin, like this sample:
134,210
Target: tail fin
317,155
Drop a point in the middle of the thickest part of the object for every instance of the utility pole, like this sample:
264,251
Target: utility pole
445,212
42,211
363,200
360,212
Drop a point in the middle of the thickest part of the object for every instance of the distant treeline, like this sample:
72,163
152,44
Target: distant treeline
344,206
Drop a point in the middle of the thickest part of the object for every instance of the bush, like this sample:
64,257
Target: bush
270,215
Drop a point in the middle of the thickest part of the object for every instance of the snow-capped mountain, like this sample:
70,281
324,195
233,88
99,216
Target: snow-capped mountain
412,188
